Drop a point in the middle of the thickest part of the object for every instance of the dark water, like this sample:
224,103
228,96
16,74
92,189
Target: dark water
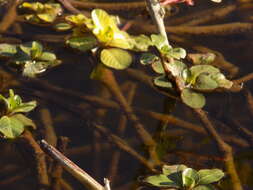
185,146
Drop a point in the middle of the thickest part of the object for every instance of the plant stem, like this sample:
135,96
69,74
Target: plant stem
72,168
225,149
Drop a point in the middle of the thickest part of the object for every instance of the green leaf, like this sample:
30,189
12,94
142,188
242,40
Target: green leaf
63,26
32,68
205,82
177,53
162,81
169,169
207,176
148,58
199,69
158,67
190,177
161,181
141,42
47,56
193,99
36,50
7,50
24,107
24,120
32,49
159,41
176,67
11,127
204,187
201,58
222,81
46,17
78,20
82,43
116,58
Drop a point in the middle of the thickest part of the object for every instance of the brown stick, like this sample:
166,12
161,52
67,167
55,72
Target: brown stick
108,79
72,168
57,168
35,157
120,131
225,149
243,79
10,16
124,146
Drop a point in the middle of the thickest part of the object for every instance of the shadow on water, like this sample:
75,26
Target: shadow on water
92,152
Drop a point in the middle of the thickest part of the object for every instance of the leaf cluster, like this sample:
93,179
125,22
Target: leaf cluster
182,177
29,56
38,12
13,122
114,46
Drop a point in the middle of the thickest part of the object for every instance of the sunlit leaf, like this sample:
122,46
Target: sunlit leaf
160,181
62,26
189,177
47,56
177,53
159,41
7,50
116,58
32,68
148,58
36,50
193,99
25,107
201,58
204,187
47,17
82,43
207,176
141,42
162,81
24,120
10,127
205,82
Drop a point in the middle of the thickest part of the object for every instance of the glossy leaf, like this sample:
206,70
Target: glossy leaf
190,177
116,58
42,12
82,43
63,26
162,81
204,187
205,82
32,68
192,99
161,181
47,56
148,58
10,127
7,50
177,53
207,176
